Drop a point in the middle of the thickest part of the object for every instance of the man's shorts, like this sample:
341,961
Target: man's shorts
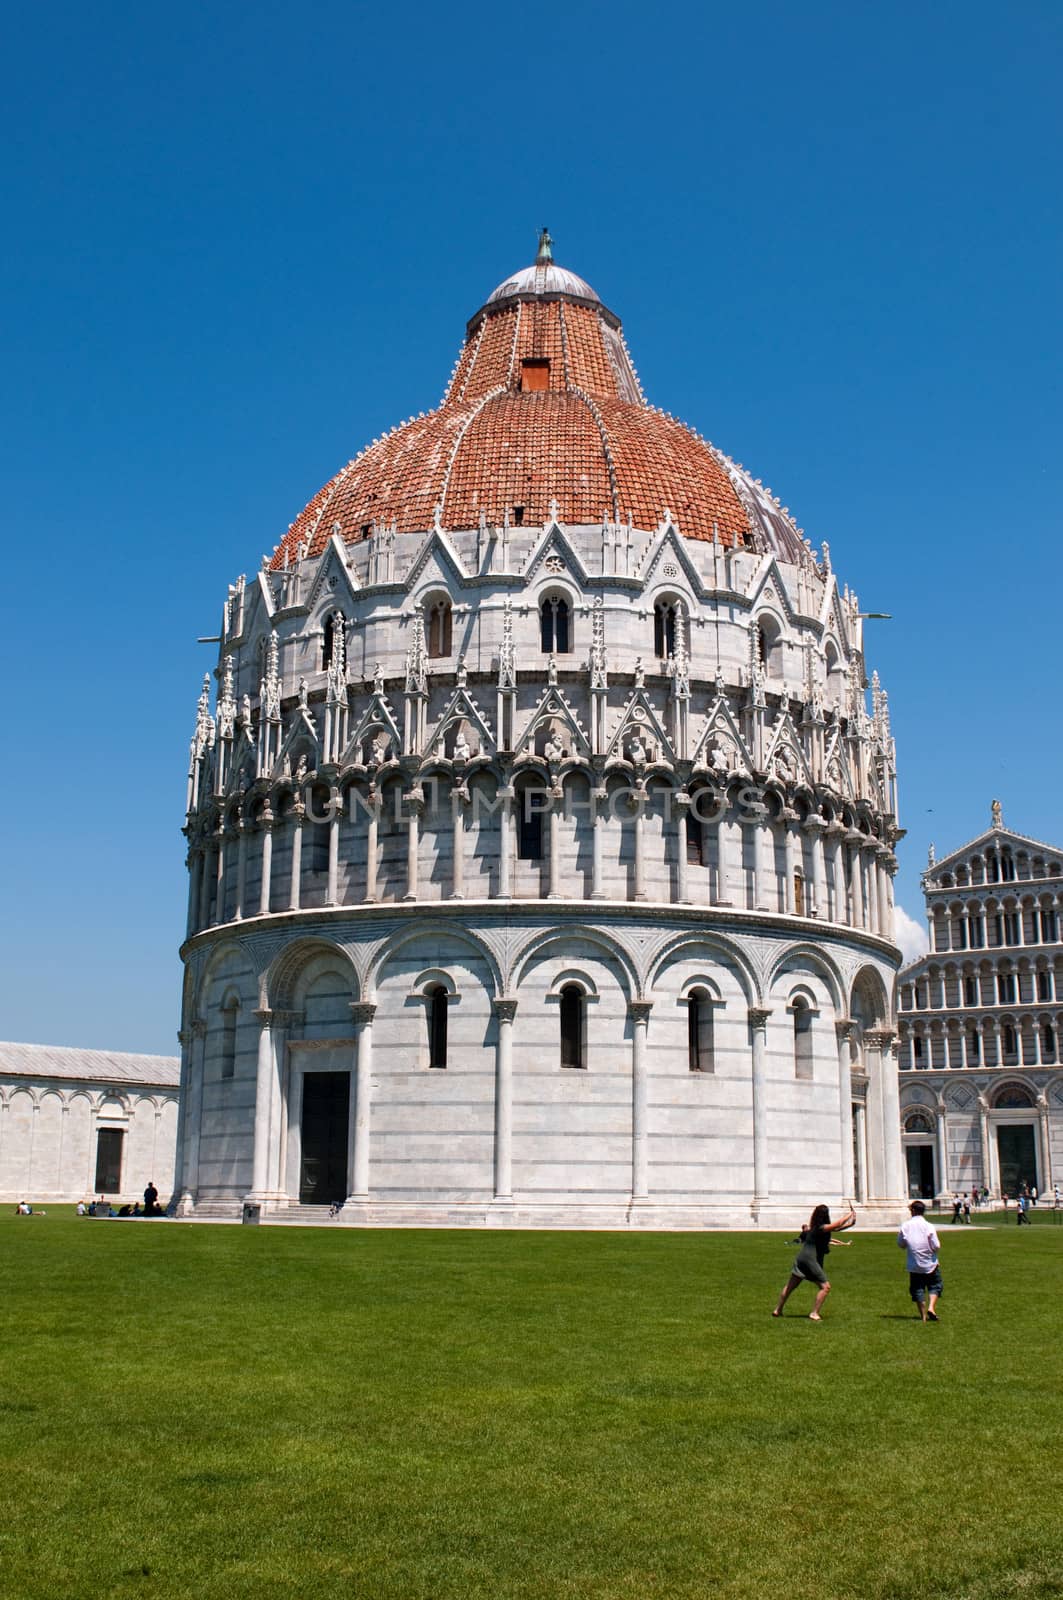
920,1284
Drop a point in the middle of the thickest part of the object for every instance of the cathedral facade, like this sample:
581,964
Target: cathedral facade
540,828
979,1021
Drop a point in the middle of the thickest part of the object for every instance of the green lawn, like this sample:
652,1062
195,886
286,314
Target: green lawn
207,1412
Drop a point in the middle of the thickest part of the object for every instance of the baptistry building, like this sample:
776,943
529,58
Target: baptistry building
541,823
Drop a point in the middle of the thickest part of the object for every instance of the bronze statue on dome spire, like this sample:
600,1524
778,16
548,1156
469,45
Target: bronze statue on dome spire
545,255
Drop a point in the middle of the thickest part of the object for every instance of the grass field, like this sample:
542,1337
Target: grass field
206,1412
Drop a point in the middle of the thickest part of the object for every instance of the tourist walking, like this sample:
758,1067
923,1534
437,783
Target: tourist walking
918,1238
816,1239
957,1207
1020,1217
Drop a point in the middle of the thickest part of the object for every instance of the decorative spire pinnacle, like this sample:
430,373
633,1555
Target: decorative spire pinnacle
416,657
599,663
507,666
226,720
545,256
204,735
270,686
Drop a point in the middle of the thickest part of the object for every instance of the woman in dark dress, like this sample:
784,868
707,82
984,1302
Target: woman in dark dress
808,1263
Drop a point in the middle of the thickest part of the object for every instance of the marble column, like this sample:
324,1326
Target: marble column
794,860
505,843
332,891
990,1177
855,840
505,1012
362,1014
680,810
640,1016
266,825
269,1023
872,891
816,827
941,1138
195,869
840,907
726,868
638,806
883,1074
1045,1186
241,869
458,796
413,839
372,853
297,862
766,897
758,1028
885,900
206,885
553,849
843,1028
598,800
220,854
193,1048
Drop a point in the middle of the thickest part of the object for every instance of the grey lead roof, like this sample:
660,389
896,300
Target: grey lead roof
98,1066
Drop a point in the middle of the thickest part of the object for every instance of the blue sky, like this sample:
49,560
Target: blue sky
241,242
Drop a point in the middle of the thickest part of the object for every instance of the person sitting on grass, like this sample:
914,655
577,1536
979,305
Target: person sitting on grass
924,1273
808,1263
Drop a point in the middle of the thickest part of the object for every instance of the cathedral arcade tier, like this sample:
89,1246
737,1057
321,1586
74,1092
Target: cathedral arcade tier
980,1019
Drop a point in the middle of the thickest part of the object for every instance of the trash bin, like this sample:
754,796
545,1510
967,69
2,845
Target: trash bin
252,1212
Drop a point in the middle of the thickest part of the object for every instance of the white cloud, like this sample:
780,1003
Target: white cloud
909,934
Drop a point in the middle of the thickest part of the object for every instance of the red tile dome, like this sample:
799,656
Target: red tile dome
544,405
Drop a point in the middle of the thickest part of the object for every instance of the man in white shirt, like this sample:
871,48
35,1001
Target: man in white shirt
924,1274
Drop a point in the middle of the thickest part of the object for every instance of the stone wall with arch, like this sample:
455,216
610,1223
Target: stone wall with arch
513,1125
49,1127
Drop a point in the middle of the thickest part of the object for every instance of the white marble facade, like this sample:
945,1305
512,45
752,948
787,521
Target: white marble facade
565,855
75,1124
979,1021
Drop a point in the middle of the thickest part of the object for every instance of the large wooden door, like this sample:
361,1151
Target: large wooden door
1017,1149
109,1160
326,1105
920,1172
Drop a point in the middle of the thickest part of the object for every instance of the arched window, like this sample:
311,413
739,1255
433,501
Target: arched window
668,620
695,840
440,629
1012,1097
918,1122
974,1045
1009,1039
573,1010
555,631
799,894
318,841
437,1026
802,1013
230,1016
1048,1041
530,823
769,645
701,1043
332,632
